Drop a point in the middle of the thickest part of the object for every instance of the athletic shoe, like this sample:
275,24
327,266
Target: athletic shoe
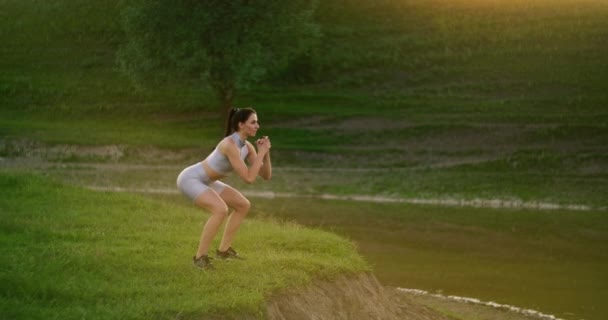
228,254
203,262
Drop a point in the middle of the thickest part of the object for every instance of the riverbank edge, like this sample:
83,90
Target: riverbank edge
359,296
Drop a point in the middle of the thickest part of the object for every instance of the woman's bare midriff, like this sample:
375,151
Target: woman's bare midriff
210,172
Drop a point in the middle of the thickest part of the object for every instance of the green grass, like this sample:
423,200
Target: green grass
386,57
165,131
71,253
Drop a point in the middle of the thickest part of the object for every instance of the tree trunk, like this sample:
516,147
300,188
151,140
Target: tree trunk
225,96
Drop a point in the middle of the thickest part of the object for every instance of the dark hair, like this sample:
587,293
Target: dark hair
236,116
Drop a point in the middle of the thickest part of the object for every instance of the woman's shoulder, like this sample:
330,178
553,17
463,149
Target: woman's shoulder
222,143
226,143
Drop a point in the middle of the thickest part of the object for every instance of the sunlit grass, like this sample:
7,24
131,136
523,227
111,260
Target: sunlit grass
72,253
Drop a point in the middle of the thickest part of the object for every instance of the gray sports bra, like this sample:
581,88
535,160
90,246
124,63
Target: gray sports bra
220,163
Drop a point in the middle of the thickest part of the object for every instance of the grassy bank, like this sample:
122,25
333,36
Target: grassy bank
70,253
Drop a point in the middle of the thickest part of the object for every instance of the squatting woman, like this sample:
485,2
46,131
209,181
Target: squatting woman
201,182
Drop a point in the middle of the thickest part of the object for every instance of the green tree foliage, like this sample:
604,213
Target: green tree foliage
227,45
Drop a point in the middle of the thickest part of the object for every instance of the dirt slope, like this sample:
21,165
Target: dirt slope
356,297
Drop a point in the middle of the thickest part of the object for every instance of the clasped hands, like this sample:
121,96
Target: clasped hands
263,143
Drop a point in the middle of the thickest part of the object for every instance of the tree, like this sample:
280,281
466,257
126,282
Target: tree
224,44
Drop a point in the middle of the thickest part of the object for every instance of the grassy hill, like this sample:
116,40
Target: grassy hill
460,94
499,60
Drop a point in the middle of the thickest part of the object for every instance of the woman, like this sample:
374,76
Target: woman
200,182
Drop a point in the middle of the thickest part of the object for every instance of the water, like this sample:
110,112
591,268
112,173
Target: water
551,262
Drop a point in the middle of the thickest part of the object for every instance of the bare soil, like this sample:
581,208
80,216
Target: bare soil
357,297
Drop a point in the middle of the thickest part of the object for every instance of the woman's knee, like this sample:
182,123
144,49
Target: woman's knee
247,205
219,210
244,206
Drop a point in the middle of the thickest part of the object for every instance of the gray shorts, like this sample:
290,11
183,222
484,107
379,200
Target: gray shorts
193,181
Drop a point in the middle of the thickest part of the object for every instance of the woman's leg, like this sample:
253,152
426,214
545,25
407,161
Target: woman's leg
241,205
210,201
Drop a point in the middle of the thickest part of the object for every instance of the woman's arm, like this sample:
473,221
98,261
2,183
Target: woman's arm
247,174
266,170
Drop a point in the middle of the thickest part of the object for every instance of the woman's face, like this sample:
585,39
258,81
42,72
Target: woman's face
251,126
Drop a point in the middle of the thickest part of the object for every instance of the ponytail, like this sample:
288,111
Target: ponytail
235,117
229,127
